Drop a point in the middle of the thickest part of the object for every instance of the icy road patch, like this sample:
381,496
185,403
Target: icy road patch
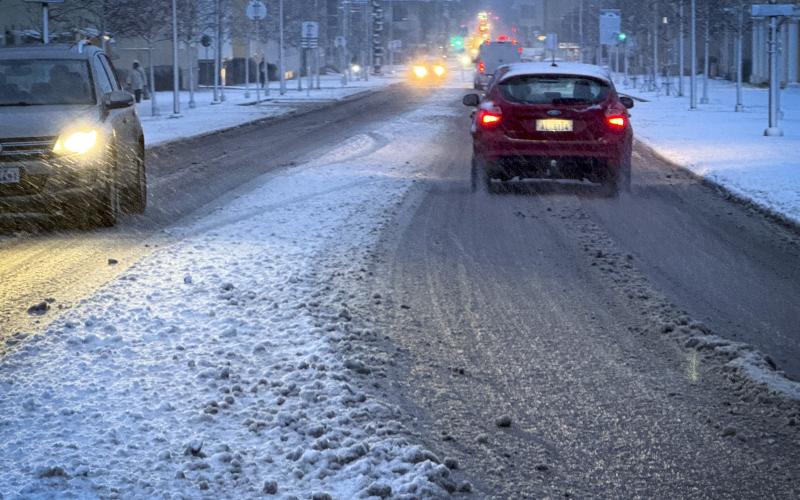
217,365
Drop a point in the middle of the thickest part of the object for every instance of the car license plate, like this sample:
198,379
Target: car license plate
553,125
9,175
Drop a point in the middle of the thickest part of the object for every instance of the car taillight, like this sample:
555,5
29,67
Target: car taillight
481,67
616,122
489,118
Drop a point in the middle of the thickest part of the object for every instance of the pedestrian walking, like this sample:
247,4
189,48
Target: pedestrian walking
136,80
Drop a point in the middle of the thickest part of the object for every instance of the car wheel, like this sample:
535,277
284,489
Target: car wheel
106,205
135,195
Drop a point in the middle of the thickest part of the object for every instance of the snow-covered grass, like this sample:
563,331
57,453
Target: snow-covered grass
726,147
238,109
218,366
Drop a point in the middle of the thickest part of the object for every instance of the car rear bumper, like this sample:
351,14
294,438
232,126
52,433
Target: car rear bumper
508,148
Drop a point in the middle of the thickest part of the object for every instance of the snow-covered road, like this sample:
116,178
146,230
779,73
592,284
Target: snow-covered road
218,364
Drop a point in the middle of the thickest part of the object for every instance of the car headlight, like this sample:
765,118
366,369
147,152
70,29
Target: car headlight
355,68
439,70
420,71
80,142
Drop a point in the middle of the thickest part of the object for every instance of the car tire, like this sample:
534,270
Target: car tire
134,199
105,207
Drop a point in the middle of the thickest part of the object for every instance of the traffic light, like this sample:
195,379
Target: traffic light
621,37
457,42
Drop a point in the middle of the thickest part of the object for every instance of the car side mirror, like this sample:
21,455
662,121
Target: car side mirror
471,100
626,101
118,99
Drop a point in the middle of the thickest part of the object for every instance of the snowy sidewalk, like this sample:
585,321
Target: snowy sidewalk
219,366
726,147
237,109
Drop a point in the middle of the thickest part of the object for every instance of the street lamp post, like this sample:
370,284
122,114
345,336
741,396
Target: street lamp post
681,57
773,130
281,61
217,60
739,40
693,53
176,96
706,65
655,44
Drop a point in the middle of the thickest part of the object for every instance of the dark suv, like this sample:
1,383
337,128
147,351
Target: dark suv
70,138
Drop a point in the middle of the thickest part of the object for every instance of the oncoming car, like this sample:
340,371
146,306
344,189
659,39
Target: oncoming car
546,120
71,142
428,70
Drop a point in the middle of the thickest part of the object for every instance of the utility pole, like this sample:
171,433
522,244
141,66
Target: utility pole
773,130
217,64
580,28
739,39
706,64
681,57
281,55
656,21
176,81
693,51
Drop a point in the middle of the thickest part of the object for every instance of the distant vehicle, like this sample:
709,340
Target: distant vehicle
552,121
71,141
428,70
491,56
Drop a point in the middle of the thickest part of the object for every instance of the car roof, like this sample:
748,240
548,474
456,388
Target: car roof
49,51
559,68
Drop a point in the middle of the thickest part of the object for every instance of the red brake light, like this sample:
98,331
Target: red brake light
616,122
482,67
489,119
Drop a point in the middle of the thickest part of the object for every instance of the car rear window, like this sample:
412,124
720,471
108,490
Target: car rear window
554,89
45,81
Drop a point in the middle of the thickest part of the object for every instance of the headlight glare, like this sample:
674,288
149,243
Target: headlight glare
80,142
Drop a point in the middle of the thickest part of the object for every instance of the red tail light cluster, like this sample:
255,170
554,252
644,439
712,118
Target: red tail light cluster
490,116
616,121
481,67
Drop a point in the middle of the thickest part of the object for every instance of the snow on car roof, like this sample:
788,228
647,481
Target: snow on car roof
560,68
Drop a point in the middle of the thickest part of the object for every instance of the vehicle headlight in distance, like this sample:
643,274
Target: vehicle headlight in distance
80,142
420,71
355,68
439,70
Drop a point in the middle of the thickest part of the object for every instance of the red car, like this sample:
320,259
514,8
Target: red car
552,120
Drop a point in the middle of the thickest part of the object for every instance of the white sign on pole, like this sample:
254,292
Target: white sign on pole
310,30
610,26
256,10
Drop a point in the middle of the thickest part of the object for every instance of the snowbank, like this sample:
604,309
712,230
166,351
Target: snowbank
726,147
237,109
217,365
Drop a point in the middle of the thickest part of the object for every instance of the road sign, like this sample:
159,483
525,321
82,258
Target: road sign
775,10
395,44
610,26
256,10
310,30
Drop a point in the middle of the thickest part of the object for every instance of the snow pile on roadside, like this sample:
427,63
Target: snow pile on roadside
214,367
238,109
726,147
